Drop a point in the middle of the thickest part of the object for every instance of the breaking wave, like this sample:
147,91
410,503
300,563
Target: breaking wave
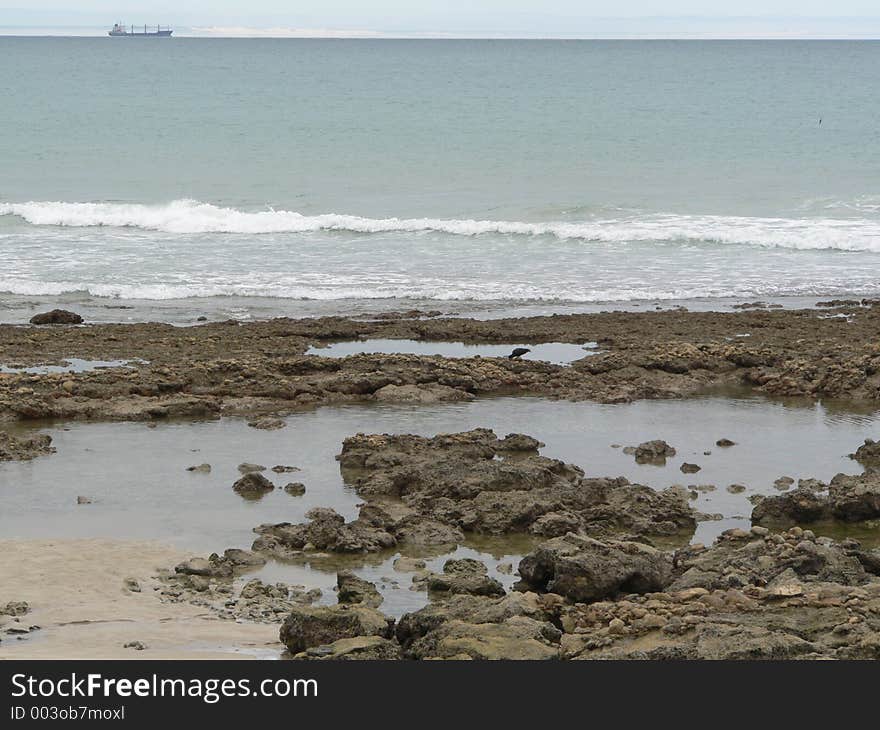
193,217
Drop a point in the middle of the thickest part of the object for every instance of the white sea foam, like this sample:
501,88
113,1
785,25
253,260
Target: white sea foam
485,292
192,217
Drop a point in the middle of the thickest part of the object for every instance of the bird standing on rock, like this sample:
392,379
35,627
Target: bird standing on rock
518,353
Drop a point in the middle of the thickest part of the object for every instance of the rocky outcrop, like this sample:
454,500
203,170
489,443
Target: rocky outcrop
651,452
849,499
57,316
800,505
307,627
354,590
464,575
13,448
583,569
327,530
772,561
253,485
477,482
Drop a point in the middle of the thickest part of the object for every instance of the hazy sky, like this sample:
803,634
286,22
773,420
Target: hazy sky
787,18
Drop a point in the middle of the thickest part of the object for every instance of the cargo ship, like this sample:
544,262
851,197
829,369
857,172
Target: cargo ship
120,30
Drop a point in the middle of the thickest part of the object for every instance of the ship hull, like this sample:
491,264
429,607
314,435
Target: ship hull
159,34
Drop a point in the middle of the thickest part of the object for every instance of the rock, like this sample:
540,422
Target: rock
408,565
653,452
243,558
868,452
505,568
136,645
854,498
326,531
83,500
517,638
470,482
354,590
282,469
253,485
247,468
798,505
725,443
295,489
267,424
783,483
849,499
464,576
13,448
739,558
357,648
201,468
132,585
15,608
308,626
736,488
425,394
687,468
213,567
56,316
583,569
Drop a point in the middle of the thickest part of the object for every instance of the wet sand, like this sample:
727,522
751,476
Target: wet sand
76,592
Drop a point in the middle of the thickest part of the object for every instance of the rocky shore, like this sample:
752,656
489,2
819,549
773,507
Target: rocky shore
261,367
611,569
605,585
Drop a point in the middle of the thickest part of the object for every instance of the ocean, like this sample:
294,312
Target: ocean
252,177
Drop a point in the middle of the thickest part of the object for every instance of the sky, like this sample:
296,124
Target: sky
525,18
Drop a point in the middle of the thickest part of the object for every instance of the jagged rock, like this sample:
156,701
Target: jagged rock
253,485
13,448
855,498
464,576
725,443
868,452
739,558
15,608
783,483
327,530
584,569
652,452
56,316
467,481
517,638
687,468
243,558
354,590
247,468
797,506
295,489
212,567
308,626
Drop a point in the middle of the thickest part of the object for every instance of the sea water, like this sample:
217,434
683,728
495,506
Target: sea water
315,176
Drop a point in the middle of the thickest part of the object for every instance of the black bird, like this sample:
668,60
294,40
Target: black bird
518,353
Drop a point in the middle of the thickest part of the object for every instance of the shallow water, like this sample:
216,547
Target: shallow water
136,475
558,353
71,365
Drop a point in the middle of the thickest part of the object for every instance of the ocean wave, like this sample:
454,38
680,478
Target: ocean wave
193,217
413,291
